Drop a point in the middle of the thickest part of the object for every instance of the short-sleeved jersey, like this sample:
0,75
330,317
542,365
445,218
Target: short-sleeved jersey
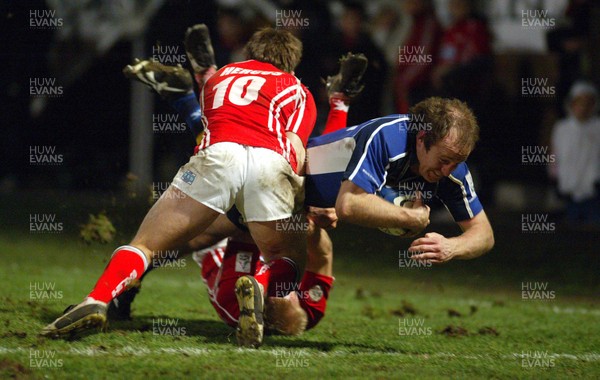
254,103
376,153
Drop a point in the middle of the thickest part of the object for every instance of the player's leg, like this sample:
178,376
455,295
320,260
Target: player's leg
188,207
267,202
342,88
172,83
303,309
207,243
171,221
200,52
239,259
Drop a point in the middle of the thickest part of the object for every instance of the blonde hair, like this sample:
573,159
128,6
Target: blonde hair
446,114
285,317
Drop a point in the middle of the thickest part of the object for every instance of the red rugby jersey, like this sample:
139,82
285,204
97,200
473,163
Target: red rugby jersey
254,103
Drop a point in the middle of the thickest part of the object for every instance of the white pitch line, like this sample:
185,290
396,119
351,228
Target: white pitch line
548,309
278,352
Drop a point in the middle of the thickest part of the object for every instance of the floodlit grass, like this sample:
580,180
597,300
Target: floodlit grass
385,318
383,323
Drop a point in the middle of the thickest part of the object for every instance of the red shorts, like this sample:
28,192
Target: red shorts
221,272
313,293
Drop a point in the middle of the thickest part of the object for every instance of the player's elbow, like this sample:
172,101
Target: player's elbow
488,241
343,207
491,241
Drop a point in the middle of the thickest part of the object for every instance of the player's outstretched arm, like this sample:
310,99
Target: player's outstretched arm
477,238
354,205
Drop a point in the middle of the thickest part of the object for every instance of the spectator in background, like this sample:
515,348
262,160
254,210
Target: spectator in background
576,146
569,42
388,27
232,35
465,54
416,55
352,37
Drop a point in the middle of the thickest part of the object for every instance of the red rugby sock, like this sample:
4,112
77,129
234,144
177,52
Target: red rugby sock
338,115
127,264
278,277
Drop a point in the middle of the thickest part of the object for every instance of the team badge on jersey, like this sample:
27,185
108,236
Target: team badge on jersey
315,293
188,177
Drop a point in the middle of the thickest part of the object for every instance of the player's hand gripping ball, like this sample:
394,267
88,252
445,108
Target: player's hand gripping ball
402,200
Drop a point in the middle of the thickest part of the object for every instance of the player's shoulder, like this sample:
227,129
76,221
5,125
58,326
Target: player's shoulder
251,67
461,171
390,126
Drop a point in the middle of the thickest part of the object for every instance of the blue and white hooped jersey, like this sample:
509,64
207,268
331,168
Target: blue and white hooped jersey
376,153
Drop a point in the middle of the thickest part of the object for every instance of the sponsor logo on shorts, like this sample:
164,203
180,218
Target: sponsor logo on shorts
188,177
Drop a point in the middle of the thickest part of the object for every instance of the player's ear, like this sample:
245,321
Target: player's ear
421,135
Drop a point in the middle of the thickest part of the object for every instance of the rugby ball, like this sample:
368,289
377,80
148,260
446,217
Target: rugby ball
402,200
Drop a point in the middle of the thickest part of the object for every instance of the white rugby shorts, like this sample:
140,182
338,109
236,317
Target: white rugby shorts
259,181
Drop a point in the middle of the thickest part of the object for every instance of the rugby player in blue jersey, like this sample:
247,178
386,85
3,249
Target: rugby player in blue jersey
425,150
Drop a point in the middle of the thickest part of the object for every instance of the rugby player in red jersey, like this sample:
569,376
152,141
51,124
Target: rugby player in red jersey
247,159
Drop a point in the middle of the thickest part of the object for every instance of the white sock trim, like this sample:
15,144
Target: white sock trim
136,250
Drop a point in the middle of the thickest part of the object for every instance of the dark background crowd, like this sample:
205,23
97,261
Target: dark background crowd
416,49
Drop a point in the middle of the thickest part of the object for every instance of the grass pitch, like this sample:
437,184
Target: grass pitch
385,318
